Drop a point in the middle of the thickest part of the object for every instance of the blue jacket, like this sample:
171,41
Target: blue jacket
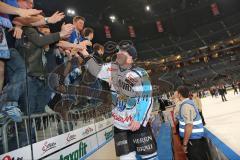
75,38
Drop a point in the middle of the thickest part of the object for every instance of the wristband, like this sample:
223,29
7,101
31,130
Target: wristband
46,20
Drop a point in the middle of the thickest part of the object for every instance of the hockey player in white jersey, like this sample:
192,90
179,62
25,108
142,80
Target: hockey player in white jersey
132,103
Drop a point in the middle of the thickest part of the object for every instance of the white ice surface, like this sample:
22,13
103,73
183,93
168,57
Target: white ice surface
223,119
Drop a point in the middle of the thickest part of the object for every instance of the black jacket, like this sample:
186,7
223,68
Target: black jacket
31,49
221,91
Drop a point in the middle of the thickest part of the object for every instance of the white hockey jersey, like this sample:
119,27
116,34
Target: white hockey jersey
131,92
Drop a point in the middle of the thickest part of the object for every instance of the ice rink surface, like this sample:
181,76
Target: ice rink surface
223,119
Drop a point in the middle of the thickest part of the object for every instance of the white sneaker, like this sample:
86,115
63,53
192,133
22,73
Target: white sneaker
12,112
49,110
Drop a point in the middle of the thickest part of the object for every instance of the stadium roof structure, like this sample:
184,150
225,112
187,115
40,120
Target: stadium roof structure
187,24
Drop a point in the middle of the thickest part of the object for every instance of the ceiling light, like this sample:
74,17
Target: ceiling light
70,12
112,18
147,8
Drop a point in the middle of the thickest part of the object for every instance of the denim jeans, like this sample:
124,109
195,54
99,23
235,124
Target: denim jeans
16,74
39,95
38,91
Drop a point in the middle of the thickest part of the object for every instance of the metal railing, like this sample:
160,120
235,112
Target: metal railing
43,126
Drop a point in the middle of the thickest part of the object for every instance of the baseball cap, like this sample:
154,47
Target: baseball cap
131,50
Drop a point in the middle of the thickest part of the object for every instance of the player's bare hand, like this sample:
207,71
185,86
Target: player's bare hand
134,126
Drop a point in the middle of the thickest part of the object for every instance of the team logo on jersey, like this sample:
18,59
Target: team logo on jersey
131,80
122,119
124,85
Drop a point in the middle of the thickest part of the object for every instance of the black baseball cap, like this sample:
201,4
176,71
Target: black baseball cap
131,50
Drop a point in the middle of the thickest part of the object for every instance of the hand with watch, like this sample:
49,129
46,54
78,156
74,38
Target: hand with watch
56,17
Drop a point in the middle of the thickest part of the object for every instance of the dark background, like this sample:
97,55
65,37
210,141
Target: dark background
188,24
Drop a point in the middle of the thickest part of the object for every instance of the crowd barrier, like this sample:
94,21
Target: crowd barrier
52,136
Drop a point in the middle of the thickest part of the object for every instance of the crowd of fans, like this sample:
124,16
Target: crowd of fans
40,72
37,66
